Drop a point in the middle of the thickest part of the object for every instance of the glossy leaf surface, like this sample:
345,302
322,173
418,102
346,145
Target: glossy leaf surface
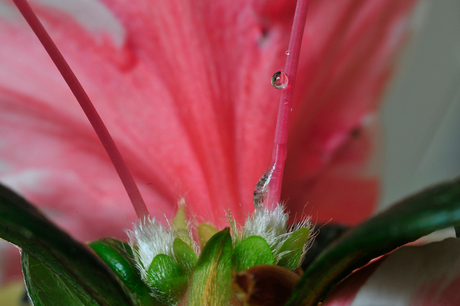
47,288
25,226
118,256
410,219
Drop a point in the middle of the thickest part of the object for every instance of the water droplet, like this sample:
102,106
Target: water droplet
261,190
280,80
287,52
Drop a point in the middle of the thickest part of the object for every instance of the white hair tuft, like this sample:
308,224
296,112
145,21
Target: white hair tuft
148,238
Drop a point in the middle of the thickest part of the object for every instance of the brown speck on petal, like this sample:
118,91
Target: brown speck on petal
265,285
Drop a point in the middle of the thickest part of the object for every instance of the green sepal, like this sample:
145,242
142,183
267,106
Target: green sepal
118,255
167,279
185,255
210,283
430,210
250,252
292,249
45,287
25,226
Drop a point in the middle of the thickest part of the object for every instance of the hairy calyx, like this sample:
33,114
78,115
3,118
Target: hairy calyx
176,269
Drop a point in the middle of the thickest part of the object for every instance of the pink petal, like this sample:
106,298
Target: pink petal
186,95
411,275
350,48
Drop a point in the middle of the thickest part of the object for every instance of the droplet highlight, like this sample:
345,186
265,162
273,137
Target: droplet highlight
280,80
261,190
287,52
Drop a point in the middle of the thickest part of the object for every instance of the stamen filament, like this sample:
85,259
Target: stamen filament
85,103
286,100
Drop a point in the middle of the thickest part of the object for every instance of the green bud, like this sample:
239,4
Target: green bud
205,232
210,283
293,249
185,255
180,222
167,279
250,252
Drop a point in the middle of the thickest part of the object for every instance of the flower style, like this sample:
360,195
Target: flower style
204,93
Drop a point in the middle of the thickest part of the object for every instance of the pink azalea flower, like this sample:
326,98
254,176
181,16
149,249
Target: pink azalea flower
184,89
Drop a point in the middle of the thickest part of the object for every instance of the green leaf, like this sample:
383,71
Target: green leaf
184,255
211,281
24,225
118,256
250,252
293,249
167,279
430,210
47,288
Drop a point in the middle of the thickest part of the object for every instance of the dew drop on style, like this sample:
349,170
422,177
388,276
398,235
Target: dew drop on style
280,80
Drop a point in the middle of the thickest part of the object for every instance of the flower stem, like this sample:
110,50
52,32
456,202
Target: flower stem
85,103
285,106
